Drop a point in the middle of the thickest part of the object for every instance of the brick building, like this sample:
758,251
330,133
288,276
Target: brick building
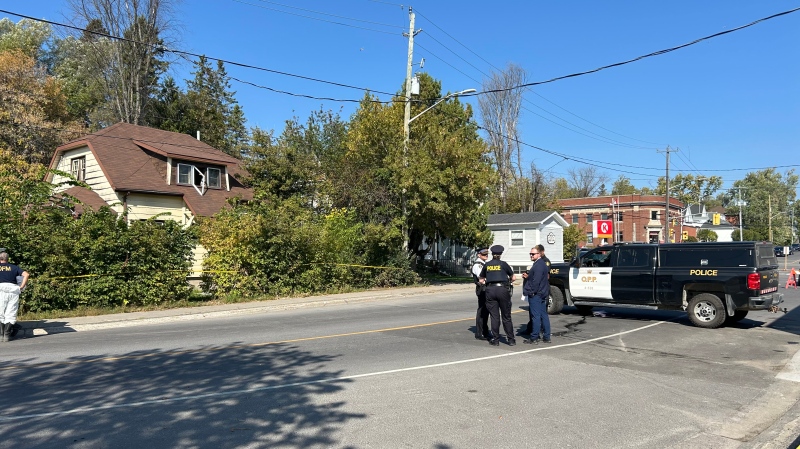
637,218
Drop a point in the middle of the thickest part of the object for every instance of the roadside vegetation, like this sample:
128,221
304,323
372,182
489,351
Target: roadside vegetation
340,203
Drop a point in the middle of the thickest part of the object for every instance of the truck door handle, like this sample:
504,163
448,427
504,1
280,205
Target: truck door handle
604,272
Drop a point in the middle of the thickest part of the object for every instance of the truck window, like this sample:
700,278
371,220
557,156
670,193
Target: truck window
635,256
712,257
597,258
766,256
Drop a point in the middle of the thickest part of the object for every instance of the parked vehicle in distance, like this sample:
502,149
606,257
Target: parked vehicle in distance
779,251
795,246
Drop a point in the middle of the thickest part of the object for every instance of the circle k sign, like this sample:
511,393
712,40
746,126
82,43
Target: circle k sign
603,228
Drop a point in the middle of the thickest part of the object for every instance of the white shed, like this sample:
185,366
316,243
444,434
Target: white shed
518,233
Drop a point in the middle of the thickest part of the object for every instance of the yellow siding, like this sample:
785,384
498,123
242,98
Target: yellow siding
143,206
198,256
94,176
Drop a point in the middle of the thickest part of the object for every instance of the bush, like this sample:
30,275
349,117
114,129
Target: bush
98,260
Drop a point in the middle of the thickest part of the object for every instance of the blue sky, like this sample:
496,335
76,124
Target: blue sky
730,104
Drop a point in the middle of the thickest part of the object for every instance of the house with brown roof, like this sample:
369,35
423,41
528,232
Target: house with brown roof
150,173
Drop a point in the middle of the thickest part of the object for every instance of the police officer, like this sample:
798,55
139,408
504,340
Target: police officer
498,276
540,249
482,316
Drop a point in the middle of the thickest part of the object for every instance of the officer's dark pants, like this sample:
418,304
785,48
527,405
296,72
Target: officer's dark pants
540,318
482,317
498,301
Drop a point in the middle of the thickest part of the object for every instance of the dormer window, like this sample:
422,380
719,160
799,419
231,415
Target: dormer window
78,168
213,178
185,172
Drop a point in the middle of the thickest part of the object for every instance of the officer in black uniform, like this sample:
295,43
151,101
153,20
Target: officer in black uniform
498,276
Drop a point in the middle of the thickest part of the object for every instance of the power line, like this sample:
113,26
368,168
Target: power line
182,52
599,136
649,55
529,90
322,13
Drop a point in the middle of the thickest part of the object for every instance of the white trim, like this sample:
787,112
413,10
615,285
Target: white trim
169,171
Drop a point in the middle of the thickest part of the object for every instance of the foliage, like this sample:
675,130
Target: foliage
573,236
690,239
770,199
99,260
623,186
690,189
706,235
33,112
748,235
30,37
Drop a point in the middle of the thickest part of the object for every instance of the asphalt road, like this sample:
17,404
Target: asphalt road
407,372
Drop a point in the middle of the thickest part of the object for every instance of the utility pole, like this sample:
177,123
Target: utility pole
407,119
666,196
769,201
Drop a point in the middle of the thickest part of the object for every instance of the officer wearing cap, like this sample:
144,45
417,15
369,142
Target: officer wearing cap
498,276
482,316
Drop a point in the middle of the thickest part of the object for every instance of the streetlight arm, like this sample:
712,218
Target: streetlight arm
454,94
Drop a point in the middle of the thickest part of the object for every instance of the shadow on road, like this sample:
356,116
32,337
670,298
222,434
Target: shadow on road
232,396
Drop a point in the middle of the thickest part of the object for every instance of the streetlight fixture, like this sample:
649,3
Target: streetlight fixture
407,136
454,94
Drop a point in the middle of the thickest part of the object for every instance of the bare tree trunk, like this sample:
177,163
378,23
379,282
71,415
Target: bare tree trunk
128,69
500,113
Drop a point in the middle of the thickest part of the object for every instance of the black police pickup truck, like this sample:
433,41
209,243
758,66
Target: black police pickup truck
713,282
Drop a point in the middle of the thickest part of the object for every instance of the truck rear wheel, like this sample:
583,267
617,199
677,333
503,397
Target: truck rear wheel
706,310
555,303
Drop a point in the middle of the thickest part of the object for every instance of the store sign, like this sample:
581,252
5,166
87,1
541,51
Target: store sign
603,229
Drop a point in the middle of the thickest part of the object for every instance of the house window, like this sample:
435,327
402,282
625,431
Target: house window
604,216
619,216
574,218
185,174
213,177
78,168
654,215
589,218
620,238
589,237
517,238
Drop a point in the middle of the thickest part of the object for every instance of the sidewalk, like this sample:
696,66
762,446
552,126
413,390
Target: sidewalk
78,324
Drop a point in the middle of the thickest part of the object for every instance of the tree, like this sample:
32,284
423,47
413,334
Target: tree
33,113
500,108
442,177
573,236
770,197
30,37
706,235
585,181
128,70
213,110
690,189
623,186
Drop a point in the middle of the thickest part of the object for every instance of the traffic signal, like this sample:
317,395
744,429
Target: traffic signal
715,219
685,235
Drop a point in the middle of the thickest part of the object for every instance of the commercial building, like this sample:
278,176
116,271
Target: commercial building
636,218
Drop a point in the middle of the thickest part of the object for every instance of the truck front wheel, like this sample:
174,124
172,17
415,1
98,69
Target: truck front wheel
555,303
706,310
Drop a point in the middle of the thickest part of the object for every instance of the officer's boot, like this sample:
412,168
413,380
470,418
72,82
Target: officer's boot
6,331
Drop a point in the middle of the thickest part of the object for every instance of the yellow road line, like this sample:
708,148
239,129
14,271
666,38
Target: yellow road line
240,346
